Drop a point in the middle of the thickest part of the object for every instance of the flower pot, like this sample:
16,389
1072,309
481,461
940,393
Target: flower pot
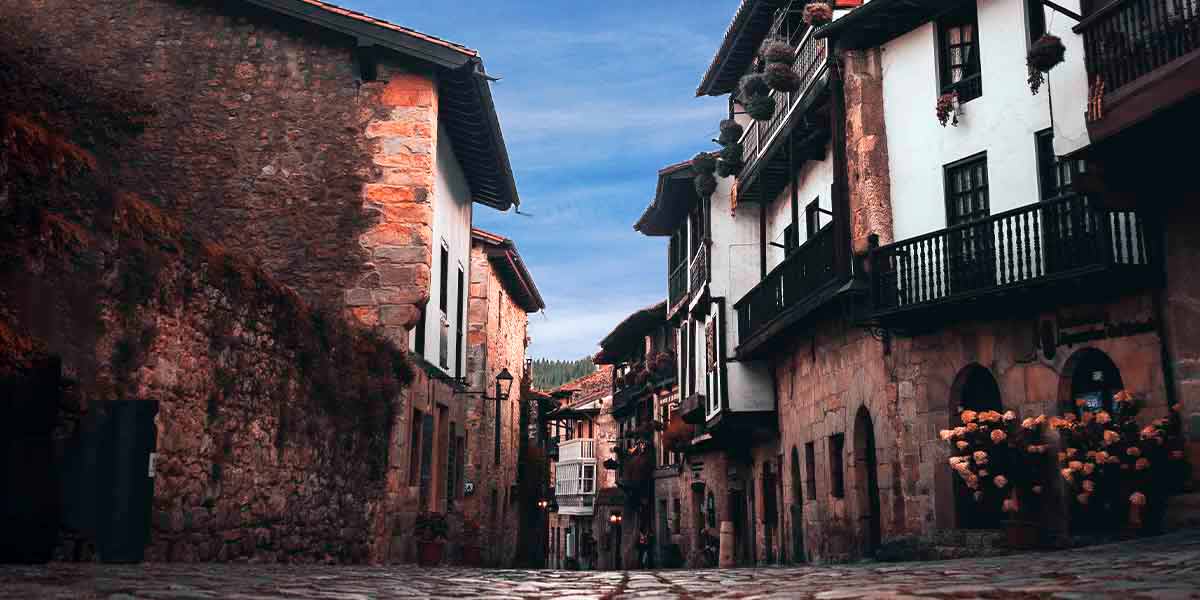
472,556
1021,535
429,554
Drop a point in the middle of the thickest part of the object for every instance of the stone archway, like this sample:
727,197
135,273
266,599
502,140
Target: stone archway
1091,376
866,479
974,389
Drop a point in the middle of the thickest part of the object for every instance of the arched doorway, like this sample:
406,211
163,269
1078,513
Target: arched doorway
974,389
797,510
1090,379
867,480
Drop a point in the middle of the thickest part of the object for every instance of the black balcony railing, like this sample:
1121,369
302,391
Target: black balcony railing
1057,239
677,285
1130,38
792,282
809,63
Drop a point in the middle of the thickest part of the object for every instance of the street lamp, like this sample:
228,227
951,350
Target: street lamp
615,518
504,381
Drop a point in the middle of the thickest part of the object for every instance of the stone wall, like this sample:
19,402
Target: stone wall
866,149
274,425
1182,312
496,339
829,376
257,130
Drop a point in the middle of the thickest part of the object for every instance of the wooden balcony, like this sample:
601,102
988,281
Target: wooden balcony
766,143
677,288
1035,256
1143,56
793,288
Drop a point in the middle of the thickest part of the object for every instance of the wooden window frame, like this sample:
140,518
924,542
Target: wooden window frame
970,84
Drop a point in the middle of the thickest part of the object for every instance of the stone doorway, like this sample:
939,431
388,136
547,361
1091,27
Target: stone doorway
867,481
974,389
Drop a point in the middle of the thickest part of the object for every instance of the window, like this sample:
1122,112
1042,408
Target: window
812,217
971,248
451,464
967,191
1035,20
958,44
414,447
419,334
675,515
1055,175
837,480
458,326
443,304
810,470
589,479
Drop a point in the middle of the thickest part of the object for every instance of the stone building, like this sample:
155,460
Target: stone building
341,154
908,289
502,294
582,434
641,350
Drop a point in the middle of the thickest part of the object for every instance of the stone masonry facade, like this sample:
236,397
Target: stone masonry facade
260,133
497,334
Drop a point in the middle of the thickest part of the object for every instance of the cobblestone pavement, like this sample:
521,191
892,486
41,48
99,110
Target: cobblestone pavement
1164,567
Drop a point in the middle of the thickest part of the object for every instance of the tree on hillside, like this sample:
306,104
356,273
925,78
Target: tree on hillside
549,374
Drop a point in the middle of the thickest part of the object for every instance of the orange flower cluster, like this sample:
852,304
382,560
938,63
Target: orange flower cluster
1106,451
997,456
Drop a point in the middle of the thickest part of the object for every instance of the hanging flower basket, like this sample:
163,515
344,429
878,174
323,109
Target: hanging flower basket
1044,54
731,132
948,109
751,86
818,14
779,51
782,78
732,154
761,108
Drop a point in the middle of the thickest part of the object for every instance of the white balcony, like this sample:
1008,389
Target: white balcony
577,449
575,477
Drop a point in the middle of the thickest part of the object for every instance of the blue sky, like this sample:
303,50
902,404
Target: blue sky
595,98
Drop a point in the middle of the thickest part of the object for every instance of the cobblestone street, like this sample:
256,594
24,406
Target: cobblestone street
1163,567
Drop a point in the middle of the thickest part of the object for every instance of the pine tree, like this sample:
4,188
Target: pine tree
549,374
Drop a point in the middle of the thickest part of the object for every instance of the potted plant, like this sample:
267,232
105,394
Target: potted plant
754,94
1117,471
818,14
948,108
430,529
1044,54
472,551
731,132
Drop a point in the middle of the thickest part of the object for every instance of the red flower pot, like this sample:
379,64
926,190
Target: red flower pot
429,554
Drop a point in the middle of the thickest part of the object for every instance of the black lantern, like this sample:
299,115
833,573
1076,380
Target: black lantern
504,381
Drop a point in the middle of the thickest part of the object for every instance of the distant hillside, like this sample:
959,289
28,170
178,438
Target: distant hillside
549,374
